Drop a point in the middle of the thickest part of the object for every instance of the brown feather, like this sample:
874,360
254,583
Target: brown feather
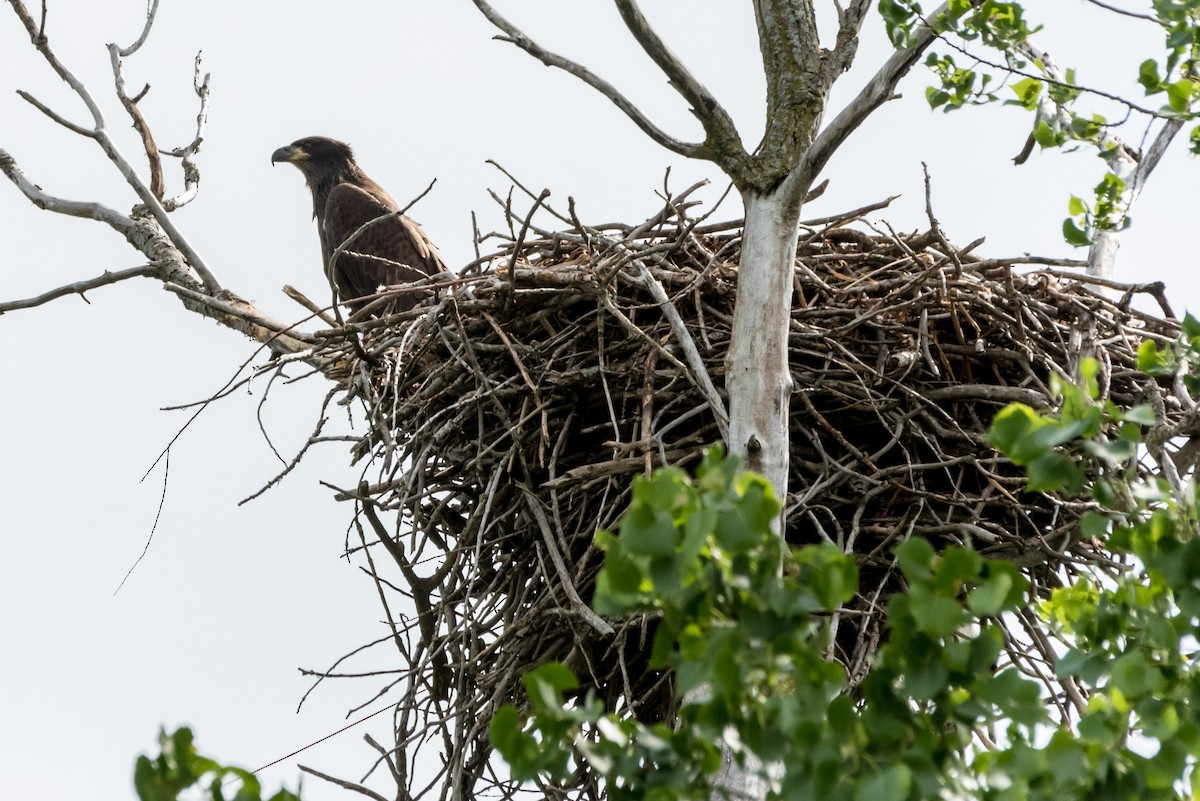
390,252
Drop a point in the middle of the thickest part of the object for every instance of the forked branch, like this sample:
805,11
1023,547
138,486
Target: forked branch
880,89
516,36
187,153
721,133
850,20
100,133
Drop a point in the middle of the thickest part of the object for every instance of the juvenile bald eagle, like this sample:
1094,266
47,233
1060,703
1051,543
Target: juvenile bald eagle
392,251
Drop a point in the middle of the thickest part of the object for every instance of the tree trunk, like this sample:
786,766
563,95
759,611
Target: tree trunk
757,376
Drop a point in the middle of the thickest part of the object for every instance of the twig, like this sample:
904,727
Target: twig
79,287
718,125
514,35
141,40
72,208
879,89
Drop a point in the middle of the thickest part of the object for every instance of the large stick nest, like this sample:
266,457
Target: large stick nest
509,414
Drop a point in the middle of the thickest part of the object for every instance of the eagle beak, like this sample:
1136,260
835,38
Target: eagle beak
288,153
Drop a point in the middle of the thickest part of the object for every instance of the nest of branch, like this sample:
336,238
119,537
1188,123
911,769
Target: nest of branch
511,412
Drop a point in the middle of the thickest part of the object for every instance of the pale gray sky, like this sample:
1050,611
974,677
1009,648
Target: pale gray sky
230,601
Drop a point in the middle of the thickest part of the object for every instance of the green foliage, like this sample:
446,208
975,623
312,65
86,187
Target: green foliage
1129,631
180,769
746,626
1052,96
1105,214
1178,360
751,641
957,85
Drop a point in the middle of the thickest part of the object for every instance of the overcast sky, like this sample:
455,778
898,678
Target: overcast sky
229,600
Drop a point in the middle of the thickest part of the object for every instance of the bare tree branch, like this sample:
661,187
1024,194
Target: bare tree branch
78,288
721,132
345,785
1102,255
166,264
139,121
697,371
850,22
1154,155
1117,10
141,40
879,90
515,36
100,134
187,153
252,322
37,35
1123,160
1049,73
72,208
54,115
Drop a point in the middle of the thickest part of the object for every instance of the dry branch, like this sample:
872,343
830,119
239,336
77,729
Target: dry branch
518,37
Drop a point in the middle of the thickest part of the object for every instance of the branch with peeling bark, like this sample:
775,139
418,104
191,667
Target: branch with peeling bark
99,133
187,153
170,257
166,264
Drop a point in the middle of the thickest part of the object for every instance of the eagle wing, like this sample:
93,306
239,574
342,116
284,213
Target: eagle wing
392,251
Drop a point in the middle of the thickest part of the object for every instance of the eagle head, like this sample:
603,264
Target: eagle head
316,156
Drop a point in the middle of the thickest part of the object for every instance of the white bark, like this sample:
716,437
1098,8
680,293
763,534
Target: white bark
1124,161
757,376
1102,256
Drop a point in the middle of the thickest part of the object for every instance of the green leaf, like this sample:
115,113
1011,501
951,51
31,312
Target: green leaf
1148,76
989,598
1027,91
1074,235
1114,451
1094,525
1179,94
1044,135
890,784
915,556
1066,758
619,584
1054,472
958,566
936,97
1087,129
649,532
925,682
985,650
1087,666
936,614
546,684
1190,327
829,574
1142,414
1134,677
519,749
